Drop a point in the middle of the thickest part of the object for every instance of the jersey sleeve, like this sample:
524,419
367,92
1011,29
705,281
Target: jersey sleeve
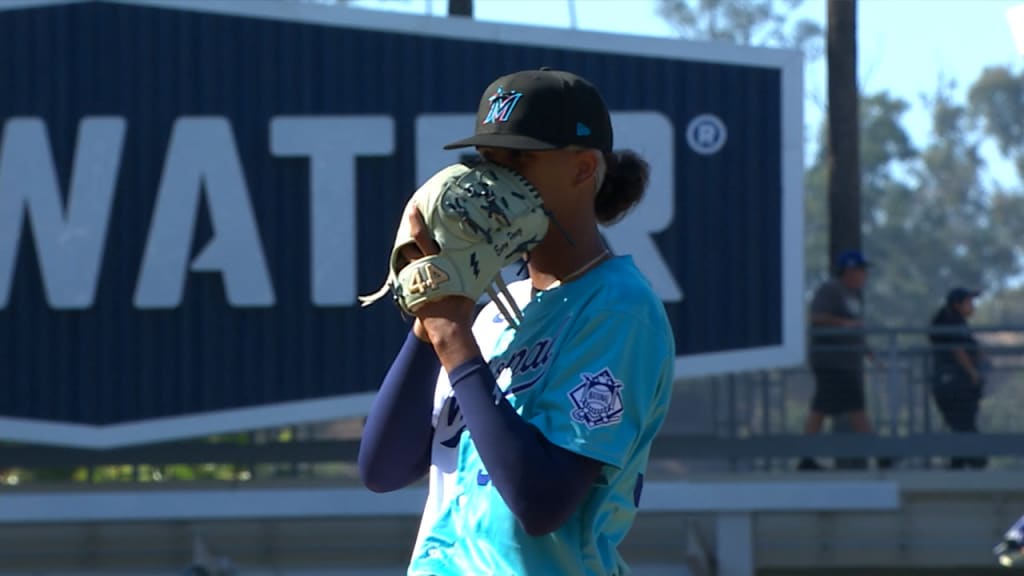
606,387
442,389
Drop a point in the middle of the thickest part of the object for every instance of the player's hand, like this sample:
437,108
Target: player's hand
452,309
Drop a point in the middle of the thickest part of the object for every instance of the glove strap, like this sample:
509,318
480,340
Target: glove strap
426,279
508,308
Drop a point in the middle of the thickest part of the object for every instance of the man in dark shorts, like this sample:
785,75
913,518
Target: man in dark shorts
837,357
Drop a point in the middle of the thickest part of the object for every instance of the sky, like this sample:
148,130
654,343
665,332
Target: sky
905,47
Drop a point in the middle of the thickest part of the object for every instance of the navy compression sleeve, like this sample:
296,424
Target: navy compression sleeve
395,448
541,483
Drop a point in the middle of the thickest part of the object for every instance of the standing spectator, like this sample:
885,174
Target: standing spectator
957,380
837,356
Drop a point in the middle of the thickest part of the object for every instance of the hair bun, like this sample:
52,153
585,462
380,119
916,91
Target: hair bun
624,185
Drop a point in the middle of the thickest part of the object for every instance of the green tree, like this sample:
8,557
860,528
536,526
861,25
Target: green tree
997,97
928,219
886,151
996,100
747,22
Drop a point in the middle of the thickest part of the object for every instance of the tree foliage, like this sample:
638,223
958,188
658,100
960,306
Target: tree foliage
931,215
745,22
997,98
929,220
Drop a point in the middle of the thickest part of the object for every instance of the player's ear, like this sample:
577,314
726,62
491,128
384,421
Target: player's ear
585,163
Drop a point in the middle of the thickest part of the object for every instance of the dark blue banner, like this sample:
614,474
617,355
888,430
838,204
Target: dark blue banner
190,202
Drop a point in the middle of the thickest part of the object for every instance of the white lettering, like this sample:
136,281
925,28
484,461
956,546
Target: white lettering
202,163
332,144
69,236
433,131
202,159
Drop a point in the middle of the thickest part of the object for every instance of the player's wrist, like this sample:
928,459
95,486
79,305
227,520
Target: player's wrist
452,340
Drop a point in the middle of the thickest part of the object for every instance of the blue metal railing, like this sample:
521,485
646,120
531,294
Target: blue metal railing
748,421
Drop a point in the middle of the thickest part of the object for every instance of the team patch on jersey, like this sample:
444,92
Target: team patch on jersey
597,399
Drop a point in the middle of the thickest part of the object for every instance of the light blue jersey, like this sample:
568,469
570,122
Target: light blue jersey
591,366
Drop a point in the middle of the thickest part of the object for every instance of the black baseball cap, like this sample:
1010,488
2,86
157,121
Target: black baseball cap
959,294
541,110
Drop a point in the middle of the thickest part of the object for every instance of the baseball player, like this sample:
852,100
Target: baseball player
534,436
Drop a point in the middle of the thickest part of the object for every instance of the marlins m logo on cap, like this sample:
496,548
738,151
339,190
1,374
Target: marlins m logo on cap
502,105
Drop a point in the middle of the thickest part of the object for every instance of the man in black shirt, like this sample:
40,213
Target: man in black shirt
957,380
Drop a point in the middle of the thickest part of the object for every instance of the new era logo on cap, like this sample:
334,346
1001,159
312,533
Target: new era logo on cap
582,129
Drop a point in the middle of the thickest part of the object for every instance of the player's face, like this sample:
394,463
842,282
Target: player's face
563,177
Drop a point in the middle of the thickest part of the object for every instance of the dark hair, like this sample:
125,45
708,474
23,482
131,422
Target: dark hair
625,180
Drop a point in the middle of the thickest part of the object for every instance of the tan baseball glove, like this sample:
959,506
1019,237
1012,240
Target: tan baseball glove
483,218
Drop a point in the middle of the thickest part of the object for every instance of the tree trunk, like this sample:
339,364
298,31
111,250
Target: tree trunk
460,8
844,129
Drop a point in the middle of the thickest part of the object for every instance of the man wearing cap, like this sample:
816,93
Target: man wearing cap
956,376
837,350
535,438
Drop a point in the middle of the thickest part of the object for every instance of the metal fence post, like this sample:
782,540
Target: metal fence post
892,373
731,416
